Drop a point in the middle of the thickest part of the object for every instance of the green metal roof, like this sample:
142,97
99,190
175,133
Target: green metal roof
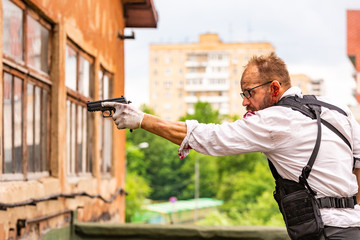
183,205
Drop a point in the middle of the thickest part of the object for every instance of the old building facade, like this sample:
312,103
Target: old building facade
56,157
209,71
308,85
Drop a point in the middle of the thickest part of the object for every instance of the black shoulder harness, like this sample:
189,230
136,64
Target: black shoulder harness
307,106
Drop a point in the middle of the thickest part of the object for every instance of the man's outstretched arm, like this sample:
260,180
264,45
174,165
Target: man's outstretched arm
126,116
170,130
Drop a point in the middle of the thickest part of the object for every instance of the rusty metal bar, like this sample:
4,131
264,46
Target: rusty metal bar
34,201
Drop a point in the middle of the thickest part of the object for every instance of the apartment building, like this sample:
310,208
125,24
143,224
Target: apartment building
56,157
209,71
308,85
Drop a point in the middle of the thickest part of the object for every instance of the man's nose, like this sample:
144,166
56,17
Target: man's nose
245,102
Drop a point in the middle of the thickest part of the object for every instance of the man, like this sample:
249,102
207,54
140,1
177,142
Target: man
285,136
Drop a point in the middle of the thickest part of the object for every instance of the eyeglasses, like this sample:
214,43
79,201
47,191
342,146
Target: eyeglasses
247,93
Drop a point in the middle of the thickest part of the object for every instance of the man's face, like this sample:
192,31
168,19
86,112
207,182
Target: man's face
260,96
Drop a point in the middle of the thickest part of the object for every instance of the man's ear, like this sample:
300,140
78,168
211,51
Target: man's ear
275,88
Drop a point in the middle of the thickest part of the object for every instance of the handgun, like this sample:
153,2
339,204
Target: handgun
106,111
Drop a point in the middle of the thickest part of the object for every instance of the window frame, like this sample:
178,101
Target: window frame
27,78
45,23
102,135
75,97
28,74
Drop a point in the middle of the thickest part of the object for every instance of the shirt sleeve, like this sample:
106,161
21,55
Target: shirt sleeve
242,136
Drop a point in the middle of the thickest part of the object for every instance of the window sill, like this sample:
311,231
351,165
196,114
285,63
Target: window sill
21,177
12,177
105,175
77,178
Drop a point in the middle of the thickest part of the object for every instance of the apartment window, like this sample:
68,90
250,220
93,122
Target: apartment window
26,93
106,124
167,94
78,79
180,84
167,59
168,71
167,84
167,106
191,57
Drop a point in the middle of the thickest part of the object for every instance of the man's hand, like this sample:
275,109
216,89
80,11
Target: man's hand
125,116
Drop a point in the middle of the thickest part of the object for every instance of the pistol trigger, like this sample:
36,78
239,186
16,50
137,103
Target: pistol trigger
107,113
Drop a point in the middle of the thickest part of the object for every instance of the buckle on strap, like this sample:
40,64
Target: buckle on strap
333,202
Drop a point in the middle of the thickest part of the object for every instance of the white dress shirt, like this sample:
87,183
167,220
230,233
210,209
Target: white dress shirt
287,138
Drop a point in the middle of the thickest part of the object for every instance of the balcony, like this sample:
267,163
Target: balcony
209,99
207,87
204,84
194,63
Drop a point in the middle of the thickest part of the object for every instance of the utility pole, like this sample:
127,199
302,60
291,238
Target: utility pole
196,188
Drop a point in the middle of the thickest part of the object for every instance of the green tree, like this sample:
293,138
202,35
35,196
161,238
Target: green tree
138,190
243,181
204,113
208,183
160,164
247,195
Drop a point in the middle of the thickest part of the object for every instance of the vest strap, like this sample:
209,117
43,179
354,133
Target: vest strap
333,202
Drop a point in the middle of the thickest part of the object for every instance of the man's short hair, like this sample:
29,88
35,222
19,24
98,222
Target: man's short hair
271,68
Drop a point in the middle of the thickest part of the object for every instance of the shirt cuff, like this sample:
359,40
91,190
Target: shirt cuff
185,147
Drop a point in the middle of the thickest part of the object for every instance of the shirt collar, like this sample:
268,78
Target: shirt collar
293,91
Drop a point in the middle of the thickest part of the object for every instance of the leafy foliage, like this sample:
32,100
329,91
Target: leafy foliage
204,114
244,181
139,190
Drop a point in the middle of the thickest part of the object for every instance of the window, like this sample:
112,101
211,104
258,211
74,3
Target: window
13,124
167,59
168,71
37,45
167,84
106,124
13,31
26,93
78,79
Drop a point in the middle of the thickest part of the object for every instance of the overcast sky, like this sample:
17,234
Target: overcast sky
309,35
